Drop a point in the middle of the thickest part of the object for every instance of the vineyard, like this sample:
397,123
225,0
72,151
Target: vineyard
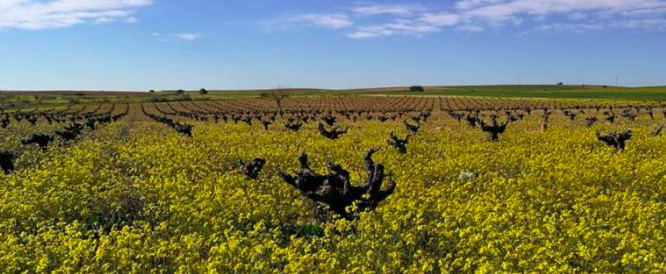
355,184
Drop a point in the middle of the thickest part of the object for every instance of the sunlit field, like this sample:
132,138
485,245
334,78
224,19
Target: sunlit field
167,187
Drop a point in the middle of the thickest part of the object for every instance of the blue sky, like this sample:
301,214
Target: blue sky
169,44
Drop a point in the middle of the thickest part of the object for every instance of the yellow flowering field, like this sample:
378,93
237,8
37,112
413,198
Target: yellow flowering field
134,196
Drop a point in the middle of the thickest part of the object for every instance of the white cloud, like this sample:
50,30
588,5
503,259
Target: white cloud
441,19
510,9
186,36
332,21
405,27
653,23
468,4
428,23
575,28
103,20
48,14
589,15
577,16
371,32
397,10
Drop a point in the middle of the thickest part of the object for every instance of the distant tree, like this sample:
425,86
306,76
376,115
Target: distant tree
416,89
180,91
203,91
560,84
278,95
152,91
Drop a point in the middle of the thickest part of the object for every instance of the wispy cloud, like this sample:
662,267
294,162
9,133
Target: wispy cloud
577,16
441,19
407,27
323,20
176,36
186,36
332,21
653,23
49,14
397,10
469,4
575,28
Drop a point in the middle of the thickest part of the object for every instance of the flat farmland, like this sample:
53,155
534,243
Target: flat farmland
371,184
